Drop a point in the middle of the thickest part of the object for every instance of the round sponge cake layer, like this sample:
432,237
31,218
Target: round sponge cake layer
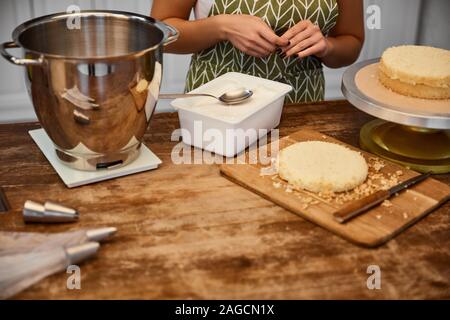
319,166
417,65
417,91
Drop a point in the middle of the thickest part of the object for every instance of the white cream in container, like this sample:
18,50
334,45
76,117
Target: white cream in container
209,124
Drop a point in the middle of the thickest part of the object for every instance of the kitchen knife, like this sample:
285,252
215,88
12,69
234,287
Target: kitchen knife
362,205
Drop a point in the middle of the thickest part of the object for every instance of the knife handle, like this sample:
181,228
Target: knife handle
360,206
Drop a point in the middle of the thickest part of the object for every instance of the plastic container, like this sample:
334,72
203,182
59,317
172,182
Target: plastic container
227,130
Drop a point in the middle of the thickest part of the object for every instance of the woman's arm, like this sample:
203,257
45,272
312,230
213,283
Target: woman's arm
347,37
249,34
194,35
341,47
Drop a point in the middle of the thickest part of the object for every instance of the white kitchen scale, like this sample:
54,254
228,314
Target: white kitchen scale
72,178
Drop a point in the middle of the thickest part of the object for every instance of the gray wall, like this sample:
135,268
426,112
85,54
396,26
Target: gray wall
435,24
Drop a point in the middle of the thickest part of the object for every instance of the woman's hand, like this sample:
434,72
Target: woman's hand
306,39
250,34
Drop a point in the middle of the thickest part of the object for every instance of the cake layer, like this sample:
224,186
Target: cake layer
417,90
319,166
417,65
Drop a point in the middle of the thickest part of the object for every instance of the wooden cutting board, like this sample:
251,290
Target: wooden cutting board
371,229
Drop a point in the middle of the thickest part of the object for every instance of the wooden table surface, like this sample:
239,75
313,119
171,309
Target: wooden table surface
187,232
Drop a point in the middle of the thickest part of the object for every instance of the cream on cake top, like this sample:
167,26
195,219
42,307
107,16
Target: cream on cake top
417,65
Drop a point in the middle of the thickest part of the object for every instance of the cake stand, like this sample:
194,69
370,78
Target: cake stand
410,131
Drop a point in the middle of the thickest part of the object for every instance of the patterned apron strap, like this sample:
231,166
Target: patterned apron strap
305,76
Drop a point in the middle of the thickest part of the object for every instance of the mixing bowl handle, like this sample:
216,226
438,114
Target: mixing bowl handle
172,34
18,61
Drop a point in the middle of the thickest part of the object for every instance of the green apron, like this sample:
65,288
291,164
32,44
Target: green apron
304,75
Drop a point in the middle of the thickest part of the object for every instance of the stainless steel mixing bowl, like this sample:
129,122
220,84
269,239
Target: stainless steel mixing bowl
94,79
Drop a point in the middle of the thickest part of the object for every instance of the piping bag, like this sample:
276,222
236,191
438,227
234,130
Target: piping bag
19,271
28,257
23,242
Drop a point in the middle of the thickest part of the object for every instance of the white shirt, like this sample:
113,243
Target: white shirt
202,8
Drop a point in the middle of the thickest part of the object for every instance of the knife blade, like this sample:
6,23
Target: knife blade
360,206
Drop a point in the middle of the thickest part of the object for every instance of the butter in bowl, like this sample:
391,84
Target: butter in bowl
227,130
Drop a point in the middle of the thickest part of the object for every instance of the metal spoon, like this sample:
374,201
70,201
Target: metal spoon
231,97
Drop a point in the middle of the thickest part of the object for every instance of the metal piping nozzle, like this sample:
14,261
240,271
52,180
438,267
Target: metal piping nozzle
49,212
79,253
100,234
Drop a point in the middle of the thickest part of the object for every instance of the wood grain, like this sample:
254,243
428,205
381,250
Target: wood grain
184,231
371,229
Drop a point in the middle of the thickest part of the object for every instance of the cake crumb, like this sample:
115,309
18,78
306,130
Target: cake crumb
377,164
277,185
405,215
378,216
376,180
